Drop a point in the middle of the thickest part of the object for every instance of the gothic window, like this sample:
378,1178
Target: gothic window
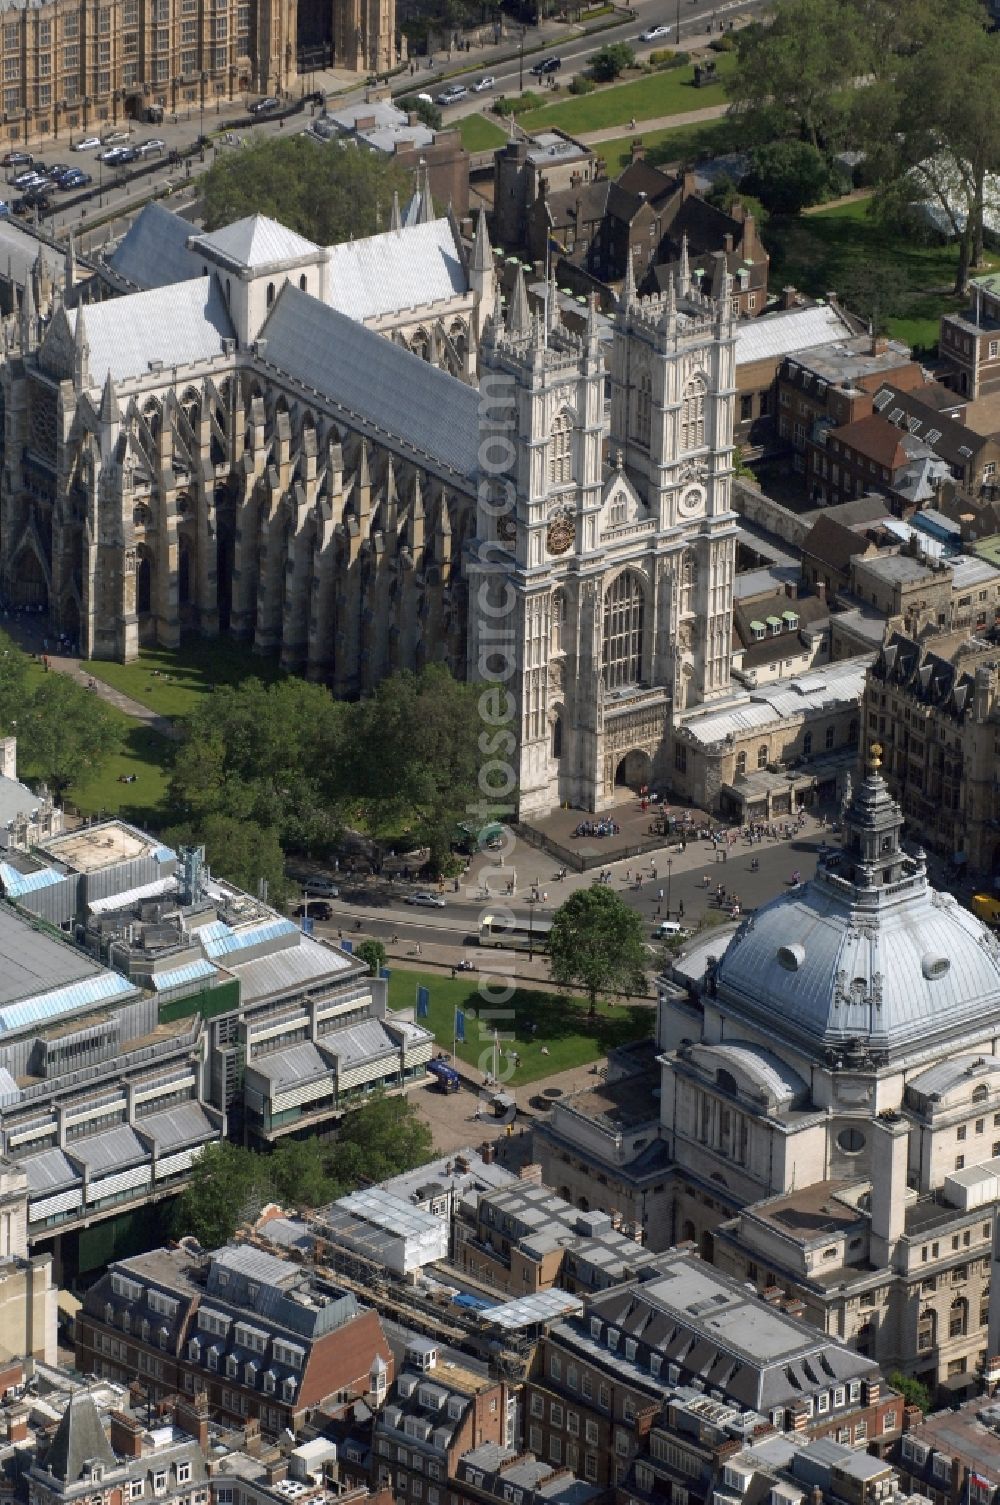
958,1318
623,622
741,762
421,344
302,282
558,622
693,414
561,450
762,755
643,409
557,737
270,294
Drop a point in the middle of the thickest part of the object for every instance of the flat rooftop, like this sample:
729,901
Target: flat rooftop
95,847
813,1212
961,1433
619,1105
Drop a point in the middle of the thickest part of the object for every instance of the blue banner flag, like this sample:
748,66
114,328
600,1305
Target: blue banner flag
460,1025
384,972
347,946
423,1002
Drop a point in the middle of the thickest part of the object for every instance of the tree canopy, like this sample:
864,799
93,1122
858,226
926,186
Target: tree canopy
229,1185
910,86
372,953
64,731
323,190
611,60
596,944
240,851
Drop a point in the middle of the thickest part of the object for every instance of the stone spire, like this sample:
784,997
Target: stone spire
518,315
81,353
426,214
552,314
28,321
482,252
109,411
627,300
669,315
396,220
683,270
593,328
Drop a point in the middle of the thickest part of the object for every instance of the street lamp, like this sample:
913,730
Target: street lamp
677,28
670,864
201,129
520,78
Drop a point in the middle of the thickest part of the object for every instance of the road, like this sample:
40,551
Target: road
575,52
380,910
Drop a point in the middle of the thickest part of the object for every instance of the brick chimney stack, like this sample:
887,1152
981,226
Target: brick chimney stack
126,1435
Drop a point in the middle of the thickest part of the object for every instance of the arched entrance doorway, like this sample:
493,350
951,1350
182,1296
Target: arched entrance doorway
634,771
27,583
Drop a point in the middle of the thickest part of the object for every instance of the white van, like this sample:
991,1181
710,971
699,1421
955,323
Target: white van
668,929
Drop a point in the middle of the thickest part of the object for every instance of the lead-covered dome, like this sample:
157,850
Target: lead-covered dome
866,959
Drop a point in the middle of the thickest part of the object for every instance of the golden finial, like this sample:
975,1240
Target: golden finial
875,761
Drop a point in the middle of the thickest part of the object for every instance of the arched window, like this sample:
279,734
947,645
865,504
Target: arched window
693,414
762,755
302,282
807,743
557,737
623,619
852,733
980,1093
561,450
741,762
270,294
958,1318
643,409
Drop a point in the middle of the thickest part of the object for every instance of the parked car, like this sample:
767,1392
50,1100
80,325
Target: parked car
32,202
547,65
28,177
75,180
18,159
264,106
452,94
88,144
316,909
111,137
110,154
486,82
429,901
59,170
127,154
654,33
4,209
324,887
670,929
154,144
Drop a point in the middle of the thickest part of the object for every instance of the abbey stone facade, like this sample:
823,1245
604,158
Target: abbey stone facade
230,453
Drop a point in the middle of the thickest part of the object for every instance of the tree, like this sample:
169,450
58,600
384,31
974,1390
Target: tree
724,193
793,76
240,851
412,758
424,109
328,192
596,944
383,1138
788,176
913,1391
13,684
66,732
372,953
611,60
298,1175
228,1184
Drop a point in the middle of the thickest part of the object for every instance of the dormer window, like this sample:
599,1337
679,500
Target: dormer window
96,1473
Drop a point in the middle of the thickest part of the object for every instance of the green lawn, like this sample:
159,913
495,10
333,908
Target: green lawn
669,92
564,1029
843,248
147,755
479,134
680,143
185,674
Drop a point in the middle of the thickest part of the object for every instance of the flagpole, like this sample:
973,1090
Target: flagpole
454,1033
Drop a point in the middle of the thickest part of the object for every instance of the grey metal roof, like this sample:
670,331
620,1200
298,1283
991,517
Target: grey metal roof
360,1042
175,977
19,251
34,965
257,242
186,1123
944,1075
424,410
292,967
176,325
832,686
154,251
48,1170
229,941
111,1150
16,799
543,1306
291,1067
777,334
80,1438
399,269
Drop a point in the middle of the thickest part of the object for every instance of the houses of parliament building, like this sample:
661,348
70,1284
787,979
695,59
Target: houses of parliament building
72,66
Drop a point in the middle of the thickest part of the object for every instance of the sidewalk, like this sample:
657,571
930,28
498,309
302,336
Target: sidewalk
659,123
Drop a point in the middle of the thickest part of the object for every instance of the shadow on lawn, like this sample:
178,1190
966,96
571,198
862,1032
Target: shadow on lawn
558,1017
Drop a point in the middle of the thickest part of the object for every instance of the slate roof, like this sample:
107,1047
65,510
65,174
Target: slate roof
184,1124
834,544
947,437
929,678
16,799
257,242
424,410
154,251
177,325
398,269
874,438
79,1438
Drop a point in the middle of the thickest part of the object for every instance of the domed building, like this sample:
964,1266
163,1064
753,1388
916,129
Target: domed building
829,1104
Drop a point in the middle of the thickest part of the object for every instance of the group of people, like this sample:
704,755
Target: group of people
598,828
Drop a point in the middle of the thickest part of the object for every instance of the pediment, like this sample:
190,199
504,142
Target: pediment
621,504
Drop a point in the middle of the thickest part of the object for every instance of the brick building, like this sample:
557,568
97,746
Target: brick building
260,1336
969,344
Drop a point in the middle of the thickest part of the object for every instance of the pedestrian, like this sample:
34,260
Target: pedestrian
680,909
418,948
659,895
725,856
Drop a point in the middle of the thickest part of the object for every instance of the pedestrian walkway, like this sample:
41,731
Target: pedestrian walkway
660,123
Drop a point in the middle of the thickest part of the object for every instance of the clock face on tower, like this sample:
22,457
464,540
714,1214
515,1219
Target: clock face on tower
560,533
692,502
